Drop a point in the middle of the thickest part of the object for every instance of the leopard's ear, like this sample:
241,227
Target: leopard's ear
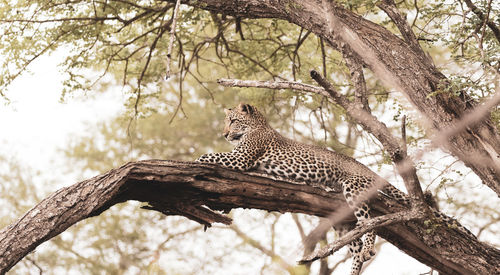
246,108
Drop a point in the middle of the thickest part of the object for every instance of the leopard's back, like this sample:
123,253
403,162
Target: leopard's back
311,164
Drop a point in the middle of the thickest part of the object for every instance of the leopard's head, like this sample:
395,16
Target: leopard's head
241,120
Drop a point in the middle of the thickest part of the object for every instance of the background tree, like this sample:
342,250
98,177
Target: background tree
125,43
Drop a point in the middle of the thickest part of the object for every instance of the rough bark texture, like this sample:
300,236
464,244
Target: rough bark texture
193,190
394,61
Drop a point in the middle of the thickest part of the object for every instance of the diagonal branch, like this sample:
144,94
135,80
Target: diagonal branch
470,119
356,233
389,7
355,66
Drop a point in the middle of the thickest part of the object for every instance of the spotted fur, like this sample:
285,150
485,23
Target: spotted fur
260,148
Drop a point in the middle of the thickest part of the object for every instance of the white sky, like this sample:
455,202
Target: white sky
35,125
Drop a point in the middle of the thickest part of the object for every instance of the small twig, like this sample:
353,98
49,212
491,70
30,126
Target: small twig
52,20
356,233
296,52
323,55
480,14
172,38
403,133
355,66
417,11
40,270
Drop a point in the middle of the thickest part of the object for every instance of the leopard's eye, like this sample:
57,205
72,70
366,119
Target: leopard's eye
232,120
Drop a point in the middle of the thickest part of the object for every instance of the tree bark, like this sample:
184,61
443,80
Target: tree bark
197,190
394,61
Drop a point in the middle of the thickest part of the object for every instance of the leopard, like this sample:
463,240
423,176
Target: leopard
260,148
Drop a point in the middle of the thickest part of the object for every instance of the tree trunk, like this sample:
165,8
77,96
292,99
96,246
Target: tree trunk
394,61
193,190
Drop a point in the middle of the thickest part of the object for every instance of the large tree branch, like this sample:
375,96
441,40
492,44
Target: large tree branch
393,61
195,190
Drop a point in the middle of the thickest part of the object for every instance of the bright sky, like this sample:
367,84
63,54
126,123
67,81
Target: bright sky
36,125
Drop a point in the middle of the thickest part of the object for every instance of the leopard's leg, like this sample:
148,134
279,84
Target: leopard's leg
357,263
233,160
353,189
354,247
362,213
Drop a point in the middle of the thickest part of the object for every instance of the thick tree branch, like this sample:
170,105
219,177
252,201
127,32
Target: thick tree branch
195,190
473,117
191,189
